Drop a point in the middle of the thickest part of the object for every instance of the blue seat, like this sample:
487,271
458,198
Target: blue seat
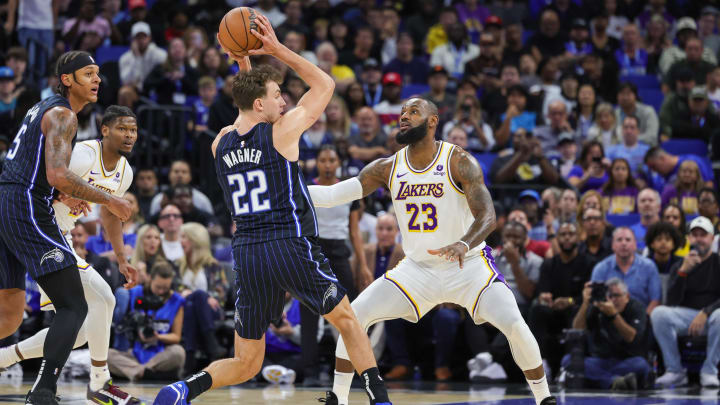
642,81
686,147
653,97
109,53
414,89
623,220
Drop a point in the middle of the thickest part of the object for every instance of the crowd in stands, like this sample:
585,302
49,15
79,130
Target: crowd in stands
596,124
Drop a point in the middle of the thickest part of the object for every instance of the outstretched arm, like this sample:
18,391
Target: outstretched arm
288,129
113,227
371,177
466,171
59,126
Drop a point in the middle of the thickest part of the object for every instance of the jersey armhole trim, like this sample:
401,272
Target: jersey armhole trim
449,174
392,171
123,172
91,148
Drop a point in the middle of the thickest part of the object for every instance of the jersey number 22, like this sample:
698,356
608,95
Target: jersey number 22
256,177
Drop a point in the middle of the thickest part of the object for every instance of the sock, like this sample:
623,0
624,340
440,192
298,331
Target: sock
8,356
374,386
539,389
198,384
98,377
48,376
341,386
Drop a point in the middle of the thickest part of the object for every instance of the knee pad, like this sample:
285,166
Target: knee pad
524,347
341,350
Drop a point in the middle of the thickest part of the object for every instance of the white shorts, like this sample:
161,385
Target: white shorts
425,288
87,273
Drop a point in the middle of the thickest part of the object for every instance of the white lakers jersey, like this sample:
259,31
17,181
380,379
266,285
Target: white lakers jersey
431,209
86,162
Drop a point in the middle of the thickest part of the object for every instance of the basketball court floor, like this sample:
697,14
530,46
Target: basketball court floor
415,393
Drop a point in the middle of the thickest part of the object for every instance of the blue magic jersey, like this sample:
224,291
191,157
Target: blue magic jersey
25,161
265,193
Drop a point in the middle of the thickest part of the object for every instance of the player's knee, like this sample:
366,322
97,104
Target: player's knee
10,321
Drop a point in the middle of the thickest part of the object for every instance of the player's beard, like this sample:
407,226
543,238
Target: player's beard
413,134
124,154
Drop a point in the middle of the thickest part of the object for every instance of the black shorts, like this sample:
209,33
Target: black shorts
30,240
265,271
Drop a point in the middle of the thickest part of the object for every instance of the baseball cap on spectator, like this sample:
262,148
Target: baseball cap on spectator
698,92
438,69
565,137
702,223
371,63
518,88
494,20
709,10
6,73
140,27
530,194
392,78
133,4
579,23
686,23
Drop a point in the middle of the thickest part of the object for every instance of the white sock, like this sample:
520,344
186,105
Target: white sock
539,389
341,386
8,356
98,377
32,347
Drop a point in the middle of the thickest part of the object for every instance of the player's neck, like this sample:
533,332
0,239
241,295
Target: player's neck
247,120
110,157
76,104
423,152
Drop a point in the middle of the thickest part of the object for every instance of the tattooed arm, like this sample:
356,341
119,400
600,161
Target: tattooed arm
371,177
466,171
59,126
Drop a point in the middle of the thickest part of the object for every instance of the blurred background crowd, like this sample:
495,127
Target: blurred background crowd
596,124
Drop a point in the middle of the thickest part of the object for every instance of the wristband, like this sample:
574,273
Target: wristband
571,300
466,244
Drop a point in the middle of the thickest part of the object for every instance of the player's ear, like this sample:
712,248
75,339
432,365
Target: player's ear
258,105
104,130
65,80
433,121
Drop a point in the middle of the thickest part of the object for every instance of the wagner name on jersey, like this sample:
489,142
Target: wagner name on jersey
431,209
86,162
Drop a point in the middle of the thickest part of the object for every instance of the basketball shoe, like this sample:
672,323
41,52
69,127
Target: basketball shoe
110,394
173,394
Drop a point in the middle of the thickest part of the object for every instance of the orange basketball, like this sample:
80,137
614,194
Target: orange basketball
234,31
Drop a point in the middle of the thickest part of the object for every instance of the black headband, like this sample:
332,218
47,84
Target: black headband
76,63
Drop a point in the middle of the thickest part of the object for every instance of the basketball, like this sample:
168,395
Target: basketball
234,31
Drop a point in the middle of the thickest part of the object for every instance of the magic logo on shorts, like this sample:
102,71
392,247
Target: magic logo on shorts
419,190
330,292
55,254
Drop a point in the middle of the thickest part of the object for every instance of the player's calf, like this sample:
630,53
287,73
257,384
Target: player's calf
358,346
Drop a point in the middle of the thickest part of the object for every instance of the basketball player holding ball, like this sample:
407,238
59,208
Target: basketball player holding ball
275,246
